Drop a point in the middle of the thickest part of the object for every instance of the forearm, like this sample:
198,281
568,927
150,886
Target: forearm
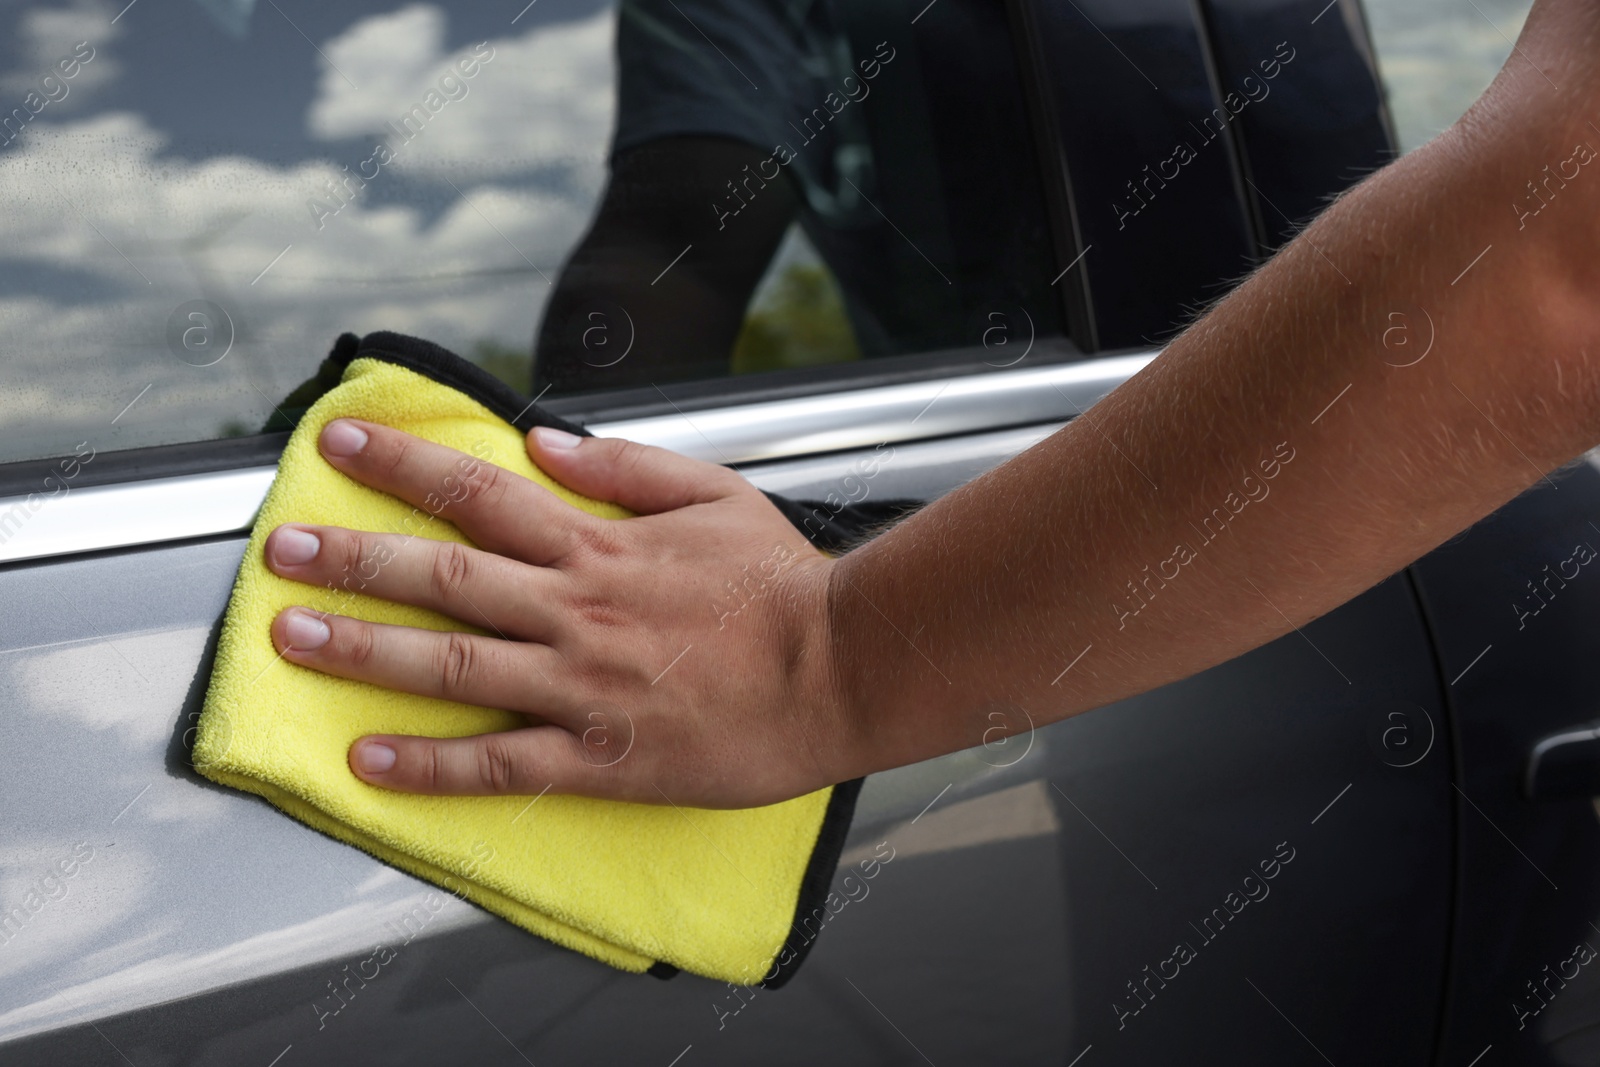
1275,461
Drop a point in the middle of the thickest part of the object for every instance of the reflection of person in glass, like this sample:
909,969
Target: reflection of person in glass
737,118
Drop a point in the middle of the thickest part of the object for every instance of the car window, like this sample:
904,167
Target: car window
1436,56
578,195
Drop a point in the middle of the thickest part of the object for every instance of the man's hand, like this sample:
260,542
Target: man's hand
677,657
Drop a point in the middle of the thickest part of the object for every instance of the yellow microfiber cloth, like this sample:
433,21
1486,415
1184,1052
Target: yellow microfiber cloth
643,888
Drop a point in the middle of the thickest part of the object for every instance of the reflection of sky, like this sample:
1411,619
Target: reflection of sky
187,886
1438,55
181,163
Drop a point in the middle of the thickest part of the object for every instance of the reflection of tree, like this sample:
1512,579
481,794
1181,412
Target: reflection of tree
799,322
514,366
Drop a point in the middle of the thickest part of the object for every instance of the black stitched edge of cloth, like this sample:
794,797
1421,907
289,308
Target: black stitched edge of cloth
447,368
830,529
814,884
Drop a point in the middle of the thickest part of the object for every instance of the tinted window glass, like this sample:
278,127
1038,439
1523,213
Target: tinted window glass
1150,152
1200,136
1311,119
200,195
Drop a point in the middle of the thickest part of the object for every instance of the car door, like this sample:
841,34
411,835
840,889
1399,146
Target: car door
1236,865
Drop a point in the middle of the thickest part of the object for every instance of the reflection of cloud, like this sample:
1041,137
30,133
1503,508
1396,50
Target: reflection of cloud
100,899
544,99
90,682
85,194
149,207
1437,56
389,60
47,35
141,983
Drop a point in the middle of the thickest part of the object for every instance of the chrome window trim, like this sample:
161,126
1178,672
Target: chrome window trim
40,526
132,513
862,418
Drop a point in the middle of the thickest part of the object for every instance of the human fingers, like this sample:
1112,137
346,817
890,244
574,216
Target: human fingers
534,760
477,587
466,668
500,511
642,478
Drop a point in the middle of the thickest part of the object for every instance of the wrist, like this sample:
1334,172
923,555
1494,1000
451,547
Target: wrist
816,658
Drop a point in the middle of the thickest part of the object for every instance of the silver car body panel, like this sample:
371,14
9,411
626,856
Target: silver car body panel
201,926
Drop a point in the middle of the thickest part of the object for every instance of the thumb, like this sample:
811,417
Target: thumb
641,478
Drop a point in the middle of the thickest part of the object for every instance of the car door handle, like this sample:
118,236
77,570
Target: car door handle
1565,765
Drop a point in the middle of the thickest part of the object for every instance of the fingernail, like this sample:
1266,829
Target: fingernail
550,437
291,547
374,758
305,631
341,437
